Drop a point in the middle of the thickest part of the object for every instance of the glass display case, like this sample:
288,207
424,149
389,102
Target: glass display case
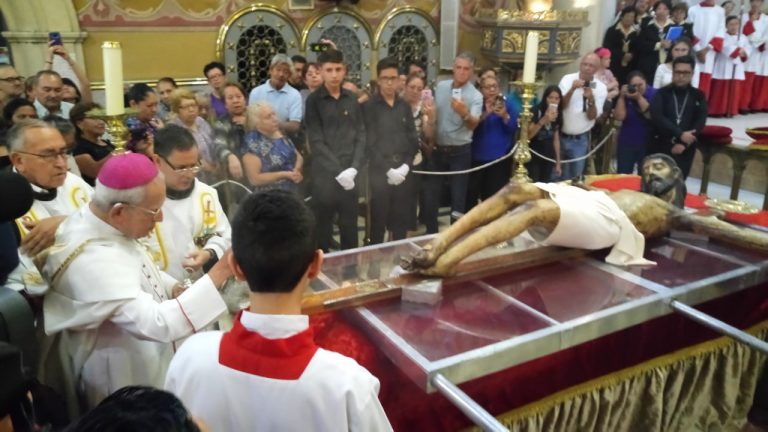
496,320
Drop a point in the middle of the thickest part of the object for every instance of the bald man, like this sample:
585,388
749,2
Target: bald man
583,100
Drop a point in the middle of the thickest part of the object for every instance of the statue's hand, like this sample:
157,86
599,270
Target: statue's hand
423,258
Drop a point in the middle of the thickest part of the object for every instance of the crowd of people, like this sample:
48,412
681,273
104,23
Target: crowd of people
149,229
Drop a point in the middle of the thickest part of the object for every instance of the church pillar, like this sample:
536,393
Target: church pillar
601,15
449,32
28,25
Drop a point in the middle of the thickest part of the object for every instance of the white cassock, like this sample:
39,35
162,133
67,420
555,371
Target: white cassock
197,221
708,31
757,36
730,56
592,220
112,308
70,196
267,374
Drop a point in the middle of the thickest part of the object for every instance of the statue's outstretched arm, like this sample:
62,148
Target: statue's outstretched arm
542,212
721,230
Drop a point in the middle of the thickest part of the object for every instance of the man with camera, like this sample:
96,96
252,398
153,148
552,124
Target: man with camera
583,100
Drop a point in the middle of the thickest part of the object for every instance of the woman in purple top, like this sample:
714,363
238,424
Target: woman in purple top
186,109
632,110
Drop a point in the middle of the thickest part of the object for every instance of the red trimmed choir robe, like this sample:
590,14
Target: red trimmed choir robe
728,76
708,31
755,88
267,374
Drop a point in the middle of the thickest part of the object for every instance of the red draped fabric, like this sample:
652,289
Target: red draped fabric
410,409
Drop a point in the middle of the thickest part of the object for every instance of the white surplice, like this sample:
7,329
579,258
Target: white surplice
728,63
266,374
708,31
758,41
185,222
70,196
111,306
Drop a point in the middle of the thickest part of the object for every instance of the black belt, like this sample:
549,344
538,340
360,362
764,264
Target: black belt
565,135
453,148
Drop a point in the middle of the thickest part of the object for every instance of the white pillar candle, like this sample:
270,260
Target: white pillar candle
113,77
531,56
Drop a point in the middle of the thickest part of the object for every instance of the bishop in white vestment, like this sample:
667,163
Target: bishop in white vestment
117,314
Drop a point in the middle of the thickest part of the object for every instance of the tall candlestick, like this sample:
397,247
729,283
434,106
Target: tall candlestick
113,77
531,56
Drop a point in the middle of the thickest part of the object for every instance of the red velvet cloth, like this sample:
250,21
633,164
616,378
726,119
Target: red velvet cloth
725,97
410,409
712,131
759,218
633,183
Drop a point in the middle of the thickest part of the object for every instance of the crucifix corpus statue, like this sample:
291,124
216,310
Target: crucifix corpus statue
558,214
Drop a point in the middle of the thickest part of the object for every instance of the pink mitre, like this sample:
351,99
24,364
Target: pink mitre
126,171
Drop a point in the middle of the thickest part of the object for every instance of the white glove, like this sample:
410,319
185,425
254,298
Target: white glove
347,178
394,177
403,170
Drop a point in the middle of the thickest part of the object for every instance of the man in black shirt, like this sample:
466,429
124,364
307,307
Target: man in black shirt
678,113
391,145
336,131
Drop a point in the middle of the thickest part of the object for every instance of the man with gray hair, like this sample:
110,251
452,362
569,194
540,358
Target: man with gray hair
285,99
39,153
459,105
47,91
118,315
11,83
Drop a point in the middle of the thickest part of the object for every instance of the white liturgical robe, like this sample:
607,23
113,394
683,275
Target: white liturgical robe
70,196
188,223
267,374
113,309
708,31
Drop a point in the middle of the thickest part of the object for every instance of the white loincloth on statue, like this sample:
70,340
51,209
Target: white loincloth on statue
591,220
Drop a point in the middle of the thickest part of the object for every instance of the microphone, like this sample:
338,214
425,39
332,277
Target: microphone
16,195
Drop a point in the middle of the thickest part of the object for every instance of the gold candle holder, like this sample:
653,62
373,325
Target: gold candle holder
116,128
523,153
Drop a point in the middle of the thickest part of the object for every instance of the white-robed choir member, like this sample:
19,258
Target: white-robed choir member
267,373
39,153
116,313
728,72
194,232
708,30
754,95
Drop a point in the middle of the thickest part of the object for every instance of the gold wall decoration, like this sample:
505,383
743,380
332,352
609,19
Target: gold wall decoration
504,15
543,42
512,41
568,42
489,39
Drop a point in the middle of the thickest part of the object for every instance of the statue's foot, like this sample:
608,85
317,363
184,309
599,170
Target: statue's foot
423,258
438,270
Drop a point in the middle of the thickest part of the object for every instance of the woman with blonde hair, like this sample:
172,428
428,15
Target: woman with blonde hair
270,160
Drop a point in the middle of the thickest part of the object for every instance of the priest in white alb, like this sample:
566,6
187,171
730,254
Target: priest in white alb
39,153
116,313
194,232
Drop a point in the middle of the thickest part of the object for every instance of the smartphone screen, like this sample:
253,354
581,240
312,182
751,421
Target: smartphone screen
55,37
426,95
318,47
456,93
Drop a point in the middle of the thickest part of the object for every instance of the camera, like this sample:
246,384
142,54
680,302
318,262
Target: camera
499,102
319,47
631,88
590,84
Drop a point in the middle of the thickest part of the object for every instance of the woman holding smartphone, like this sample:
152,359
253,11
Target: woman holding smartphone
422,105
544,134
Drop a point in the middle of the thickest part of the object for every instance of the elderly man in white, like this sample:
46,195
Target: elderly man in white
39,153
118,315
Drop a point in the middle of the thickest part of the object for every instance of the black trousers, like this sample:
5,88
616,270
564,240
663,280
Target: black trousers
486,182
328,200
391,206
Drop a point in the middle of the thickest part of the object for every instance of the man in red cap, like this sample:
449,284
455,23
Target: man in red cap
118,315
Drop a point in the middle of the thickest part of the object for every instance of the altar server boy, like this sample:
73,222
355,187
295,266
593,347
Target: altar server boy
267,373
728,73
